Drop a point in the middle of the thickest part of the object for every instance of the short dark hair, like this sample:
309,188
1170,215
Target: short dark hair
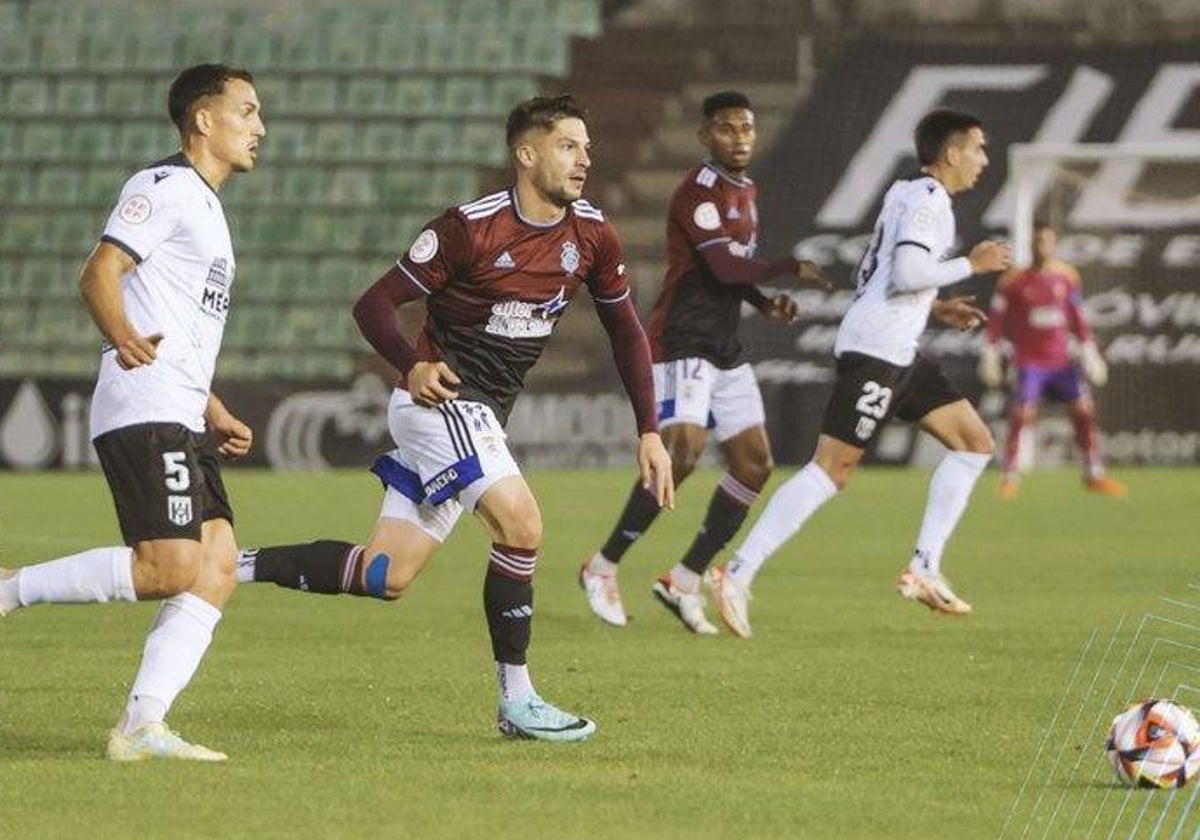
936,129
194,84
724,99
541,112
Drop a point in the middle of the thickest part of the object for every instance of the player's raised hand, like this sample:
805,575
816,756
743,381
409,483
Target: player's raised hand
960,313
654,464
809,272
432,383
989,256
783,308
137,350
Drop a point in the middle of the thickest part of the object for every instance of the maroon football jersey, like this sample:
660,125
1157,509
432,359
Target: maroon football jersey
696,314
1036,310
497,284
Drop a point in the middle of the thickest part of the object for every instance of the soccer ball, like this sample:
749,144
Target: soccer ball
1156,744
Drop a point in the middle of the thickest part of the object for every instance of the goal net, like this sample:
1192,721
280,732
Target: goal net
1128,217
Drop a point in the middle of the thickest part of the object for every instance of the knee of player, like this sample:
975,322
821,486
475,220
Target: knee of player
981,441
525,532
755,473
165,571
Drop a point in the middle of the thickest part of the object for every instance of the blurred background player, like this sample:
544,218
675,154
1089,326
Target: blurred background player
880,374
701,381
158,287
1035,310
496,274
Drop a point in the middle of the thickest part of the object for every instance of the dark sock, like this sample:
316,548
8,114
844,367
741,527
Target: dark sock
640,511
508,601
726,512
329,567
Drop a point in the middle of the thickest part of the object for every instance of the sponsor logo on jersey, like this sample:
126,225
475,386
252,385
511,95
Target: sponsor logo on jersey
135,210
522,319
424,247
179,509
160,176
505,260
570,257
707,216
215,298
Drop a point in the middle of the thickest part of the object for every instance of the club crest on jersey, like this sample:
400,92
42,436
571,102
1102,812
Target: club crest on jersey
424,247
521,319
570,257
136,209
707,216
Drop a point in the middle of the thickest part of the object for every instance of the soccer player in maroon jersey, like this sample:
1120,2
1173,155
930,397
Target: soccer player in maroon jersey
496,274
1036,309
700,378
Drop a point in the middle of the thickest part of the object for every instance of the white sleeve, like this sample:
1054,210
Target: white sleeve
145,216
914,268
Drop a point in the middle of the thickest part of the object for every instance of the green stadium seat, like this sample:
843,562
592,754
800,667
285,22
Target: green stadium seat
92,141
16,50
287,141
545,53
21,231
439,49
316,95
396,48
303,184
12,17
415,95
367,95
142,143
78,96
453,186
336,140
482,13
465,95
483,143
12,142
42,141
300,49
61,50
28,96
385,141
254,49
77,232
198,45
17,185
523,14
404,187
108,49
507,91
428,13
102,186
58,185
436,140
348,46
578,17
129,96
350,186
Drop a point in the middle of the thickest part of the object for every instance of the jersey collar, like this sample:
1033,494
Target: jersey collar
516,204
737,181
180,159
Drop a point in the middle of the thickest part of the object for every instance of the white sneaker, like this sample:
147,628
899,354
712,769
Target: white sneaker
688,607
933,591
154,740
732,601
8,591
603,596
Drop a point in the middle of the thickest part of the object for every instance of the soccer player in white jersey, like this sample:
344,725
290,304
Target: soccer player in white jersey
881,375
158,287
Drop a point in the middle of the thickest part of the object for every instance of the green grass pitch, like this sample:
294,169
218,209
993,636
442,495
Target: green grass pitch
851,714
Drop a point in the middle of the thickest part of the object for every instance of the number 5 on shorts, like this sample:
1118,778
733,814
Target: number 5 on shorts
178,478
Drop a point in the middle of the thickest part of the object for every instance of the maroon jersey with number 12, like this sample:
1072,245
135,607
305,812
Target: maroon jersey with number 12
497,284
696,315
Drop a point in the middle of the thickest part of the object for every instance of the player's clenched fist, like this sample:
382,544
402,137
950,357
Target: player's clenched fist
431,383
989,256
137,350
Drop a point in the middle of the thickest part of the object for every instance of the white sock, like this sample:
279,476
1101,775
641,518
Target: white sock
513,680
684,579
246,562
96,575
789,507
601,565
174,647
951,487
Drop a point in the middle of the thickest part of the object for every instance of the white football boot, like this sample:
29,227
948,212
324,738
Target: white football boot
732,601
603,596
154,740
933,591
688,607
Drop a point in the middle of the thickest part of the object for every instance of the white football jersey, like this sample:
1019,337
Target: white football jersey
882,321
170,221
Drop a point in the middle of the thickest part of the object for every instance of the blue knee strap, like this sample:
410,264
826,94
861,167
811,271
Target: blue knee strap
376,576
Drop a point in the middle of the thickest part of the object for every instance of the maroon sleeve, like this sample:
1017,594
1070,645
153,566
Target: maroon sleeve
606,280
375,314
441,251
631,351
728,268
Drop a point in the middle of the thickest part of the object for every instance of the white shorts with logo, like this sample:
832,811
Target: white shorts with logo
445,458
696,391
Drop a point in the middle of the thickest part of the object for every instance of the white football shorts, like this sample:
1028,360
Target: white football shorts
445,458
696,391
